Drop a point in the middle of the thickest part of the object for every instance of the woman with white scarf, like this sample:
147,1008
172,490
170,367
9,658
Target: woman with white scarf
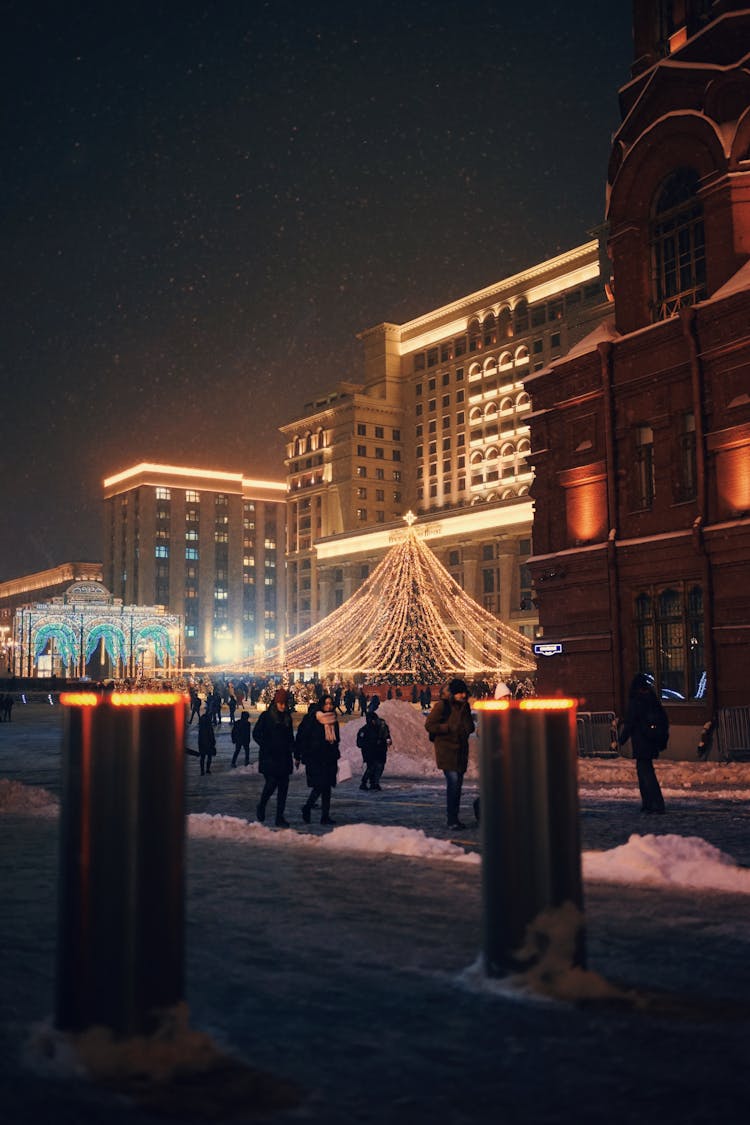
320,757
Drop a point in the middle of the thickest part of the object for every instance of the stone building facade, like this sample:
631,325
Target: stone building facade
641,435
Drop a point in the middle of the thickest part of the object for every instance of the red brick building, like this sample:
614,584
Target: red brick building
641,434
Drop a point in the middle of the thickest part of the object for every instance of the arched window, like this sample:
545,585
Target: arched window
489,330
506,404
522,354
521,316
490,411
490,366
678,253
523,401
524,447
504,324
476,459
506,360
475,415
475,338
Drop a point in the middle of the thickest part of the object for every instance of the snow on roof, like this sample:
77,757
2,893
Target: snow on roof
736,284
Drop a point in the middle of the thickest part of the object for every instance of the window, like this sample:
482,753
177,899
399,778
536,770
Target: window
361,429
669,640
459,396
459,374
555,340
432,357
361,450
379,517
380,495
397,435
192,497
446,353
686,478
163,494
380,474
396,497
361,493
191,534
191,552
379,432
361,513
432,383
221,537
446,401
361,471
454,558
446,378
432,427
419,430
419,365
644,467
418,411
446,444
418,389
460,347
161,552
678,253
396,475
379,453
432,404
396,455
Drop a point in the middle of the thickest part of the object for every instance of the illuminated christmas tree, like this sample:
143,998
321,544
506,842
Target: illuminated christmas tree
409,621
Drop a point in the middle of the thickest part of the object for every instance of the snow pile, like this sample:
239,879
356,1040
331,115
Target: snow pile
684,861
26,800
393,840
370,838
548,954
412,753
671,774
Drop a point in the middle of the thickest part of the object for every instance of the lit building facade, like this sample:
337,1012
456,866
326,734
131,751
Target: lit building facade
208,545
439,425
641,435
37,587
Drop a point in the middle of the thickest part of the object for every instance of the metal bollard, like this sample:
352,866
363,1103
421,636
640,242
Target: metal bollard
531,851
120,950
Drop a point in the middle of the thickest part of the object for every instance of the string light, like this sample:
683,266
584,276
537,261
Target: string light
409,619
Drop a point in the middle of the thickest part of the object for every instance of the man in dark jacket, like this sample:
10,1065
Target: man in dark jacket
241,738
274,734
449,725
373,739
647,726
206,741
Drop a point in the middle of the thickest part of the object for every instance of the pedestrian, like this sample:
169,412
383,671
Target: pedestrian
647,726
8,706
241,738
232,705
374,740
275,735
362,700
206,741
321,755
195,705
502,691
449,725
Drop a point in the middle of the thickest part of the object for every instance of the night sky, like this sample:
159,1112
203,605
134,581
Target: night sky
204,203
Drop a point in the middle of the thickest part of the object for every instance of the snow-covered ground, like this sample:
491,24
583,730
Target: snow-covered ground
345,961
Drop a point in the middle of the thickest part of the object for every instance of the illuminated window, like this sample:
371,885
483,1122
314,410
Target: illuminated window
163,494
191,534
396,475
192,497
161,552
191,552
361,513
669,634
361,471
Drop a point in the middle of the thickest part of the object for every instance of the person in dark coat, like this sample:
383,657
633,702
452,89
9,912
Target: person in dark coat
195,705
373,739
449,725
206,741
275,735
241,738
320,754
647,726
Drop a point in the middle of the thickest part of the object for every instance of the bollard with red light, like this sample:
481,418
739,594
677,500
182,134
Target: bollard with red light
531,851
121,887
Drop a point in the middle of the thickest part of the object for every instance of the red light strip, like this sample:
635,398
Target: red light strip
122,699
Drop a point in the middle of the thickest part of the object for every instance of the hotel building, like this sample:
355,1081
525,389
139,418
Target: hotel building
206,544
438,425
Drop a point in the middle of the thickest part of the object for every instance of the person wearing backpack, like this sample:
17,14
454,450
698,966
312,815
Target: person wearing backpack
647,726
373,739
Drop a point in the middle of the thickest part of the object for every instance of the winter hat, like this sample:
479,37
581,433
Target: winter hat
502,691
640,683
281,696
374,703
456,686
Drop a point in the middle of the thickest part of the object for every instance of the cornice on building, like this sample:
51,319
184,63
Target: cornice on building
205,480
55,576
447,525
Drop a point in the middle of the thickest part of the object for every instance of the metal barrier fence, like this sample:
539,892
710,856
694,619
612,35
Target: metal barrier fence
596,737
733,734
